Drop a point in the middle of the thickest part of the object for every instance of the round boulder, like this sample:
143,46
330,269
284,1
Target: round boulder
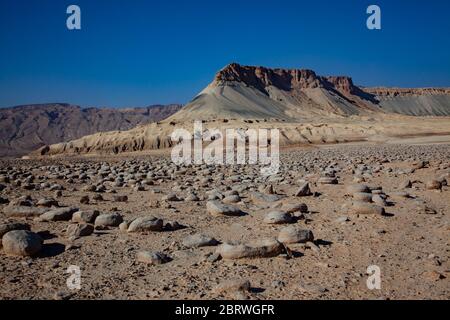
258,249
79,230
295,207
199,240
363,197
278,217
143,224
108,220
216,208
21,243
295,235
367,208
357,188
152,258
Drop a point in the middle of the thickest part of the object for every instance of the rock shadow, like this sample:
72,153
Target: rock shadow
51,250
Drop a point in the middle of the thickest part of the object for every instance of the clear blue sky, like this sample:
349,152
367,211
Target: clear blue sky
136,53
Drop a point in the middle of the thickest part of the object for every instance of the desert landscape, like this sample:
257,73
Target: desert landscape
26,128
363,181
305,107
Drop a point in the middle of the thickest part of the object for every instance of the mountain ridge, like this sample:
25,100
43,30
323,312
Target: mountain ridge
244,91
27,127
307,109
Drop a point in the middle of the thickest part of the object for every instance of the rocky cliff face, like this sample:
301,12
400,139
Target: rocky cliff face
306,107
245,91
407,92
425,102
290,94
285,79
26,128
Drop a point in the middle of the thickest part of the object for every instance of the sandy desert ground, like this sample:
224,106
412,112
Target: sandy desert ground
209,232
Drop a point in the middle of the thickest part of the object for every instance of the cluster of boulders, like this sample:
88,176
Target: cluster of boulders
225,194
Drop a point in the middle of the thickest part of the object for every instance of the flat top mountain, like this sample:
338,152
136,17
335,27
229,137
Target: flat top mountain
307,109
251,92
26,128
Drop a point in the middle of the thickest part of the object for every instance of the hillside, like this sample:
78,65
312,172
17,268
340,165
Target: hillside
247,92
306,107
26,128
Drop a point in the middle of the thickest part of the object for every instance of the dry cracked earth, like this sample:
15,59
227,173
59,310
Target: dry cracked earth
139,227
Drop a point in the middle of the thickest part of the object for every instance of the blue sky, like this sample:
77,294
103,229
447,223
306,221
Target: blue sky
137,53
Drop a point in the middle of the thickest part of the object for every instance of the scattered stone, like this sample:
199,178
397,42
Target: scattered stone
405,184
327,180
217,208
192,197
367,208
232,286
424,209
342,219
293,234
108,220
214,257
295,207
312,288
23,211
119,198
359,179
152,258
11,226
144,224
89,188
379,200
357,188
85,216
303,190
444,179
278,217
363,197
62,295
84,200
419,165
400,195
124,226
139,188
61,214
79,230
97,197
258,197
258,249
278,284
47,202
172,226
231,199
199,240
171,197
21,243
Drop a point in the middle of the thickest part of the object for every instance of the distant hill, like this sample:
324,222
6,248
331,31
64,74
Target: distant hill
29,127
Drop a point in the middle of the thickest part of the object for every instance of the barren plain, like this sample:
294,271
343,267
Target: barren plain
140,227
